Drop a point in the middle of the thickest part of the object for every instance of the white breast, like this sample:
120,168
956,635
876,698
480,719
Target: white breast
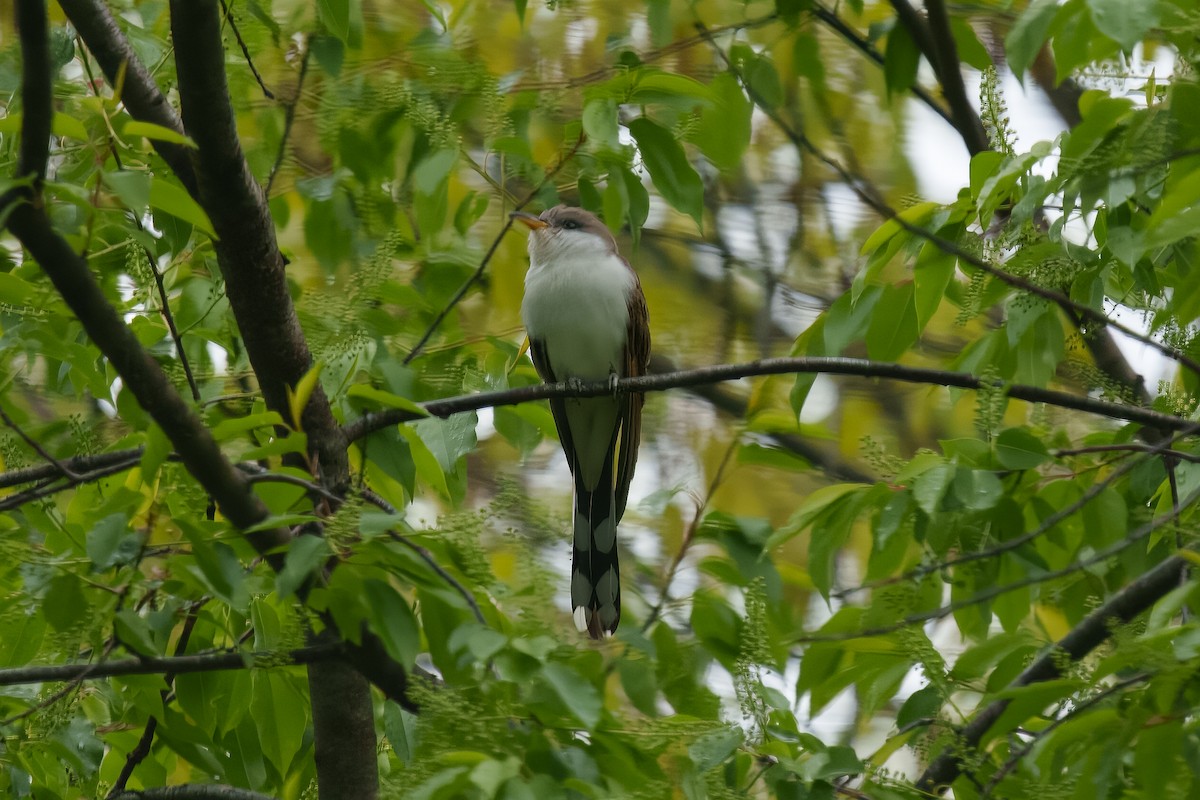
576,302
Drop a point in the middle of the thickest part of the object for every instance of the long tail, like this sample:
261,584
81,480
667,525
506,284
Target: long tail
595,576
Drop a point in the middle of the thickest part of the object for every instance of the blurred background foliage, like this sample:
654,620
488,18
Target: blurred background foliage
748,155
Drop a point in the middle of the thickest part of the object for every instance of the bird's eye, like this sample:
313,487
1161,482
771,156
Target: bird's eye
570,225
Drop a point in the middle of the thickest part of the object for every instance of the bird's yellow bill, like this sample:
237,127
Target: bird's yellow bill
530,220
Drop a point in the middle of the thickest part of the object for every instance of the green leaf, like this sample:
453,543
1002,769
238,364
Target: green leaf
1028,35
65,605
915,215
134,633
393,620
22,634
714,748
378,397
931,276
112,543
813,506
221,571
229,428
432,173
158,133
665,160
970,50
298,397
131,186
1017,448
900,60
930,487
894,327
304,556
921,704
335,15
1124,21
977,489
724,130
577,693
173,200
448,439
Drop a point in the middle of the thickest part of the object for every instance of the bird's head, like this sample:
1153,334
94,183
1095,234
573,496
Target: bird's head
566,232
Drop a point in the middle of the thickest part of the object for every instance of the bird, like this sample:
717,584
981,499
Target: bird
586,318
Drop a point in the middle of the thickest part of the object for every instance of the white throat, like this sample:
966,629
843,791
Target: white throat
577,303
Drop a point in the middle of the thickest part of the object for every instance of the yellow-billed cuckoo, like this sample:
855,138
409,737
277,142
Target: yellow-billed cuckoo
586,318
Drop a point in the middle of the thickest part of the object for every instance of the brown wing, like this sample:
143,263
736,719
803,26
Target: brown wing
541,362
637,361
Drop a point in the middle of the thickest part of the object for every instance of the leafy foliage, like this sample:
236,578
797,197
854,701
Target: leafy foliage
791,634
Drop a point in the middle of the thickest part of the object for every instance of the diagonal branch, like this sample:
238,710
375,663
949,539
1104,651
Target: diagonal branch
247,252
877,204
36,93
864,46
123,69
936,42
1123,607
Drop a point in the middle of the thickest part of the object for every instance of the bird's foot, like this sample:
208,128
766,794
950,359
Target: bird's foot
612,384
575,384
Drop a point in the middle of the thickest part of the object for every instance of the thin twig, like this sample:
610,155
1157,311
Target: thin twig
1048,524
257,475
1002,589
478,273
175,665
690,534
164,300
289,117
142,749
864,46
228,14
876,203
1011,763
37,447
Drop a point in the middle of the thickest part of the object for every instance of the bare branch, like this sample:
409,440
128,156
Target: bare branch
289,117
936,42
864,46
37,447
228,14
1048,524
193,791
36,97
172,665
768,366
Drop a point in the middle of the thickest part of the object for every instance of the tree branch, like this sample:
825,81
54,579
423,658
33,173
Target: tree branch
1048,524
993,592
122,68
172,665
247,252
369,423
141,374
1123,607
193,791
942,53
478,273
860,43
36,95
876,203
